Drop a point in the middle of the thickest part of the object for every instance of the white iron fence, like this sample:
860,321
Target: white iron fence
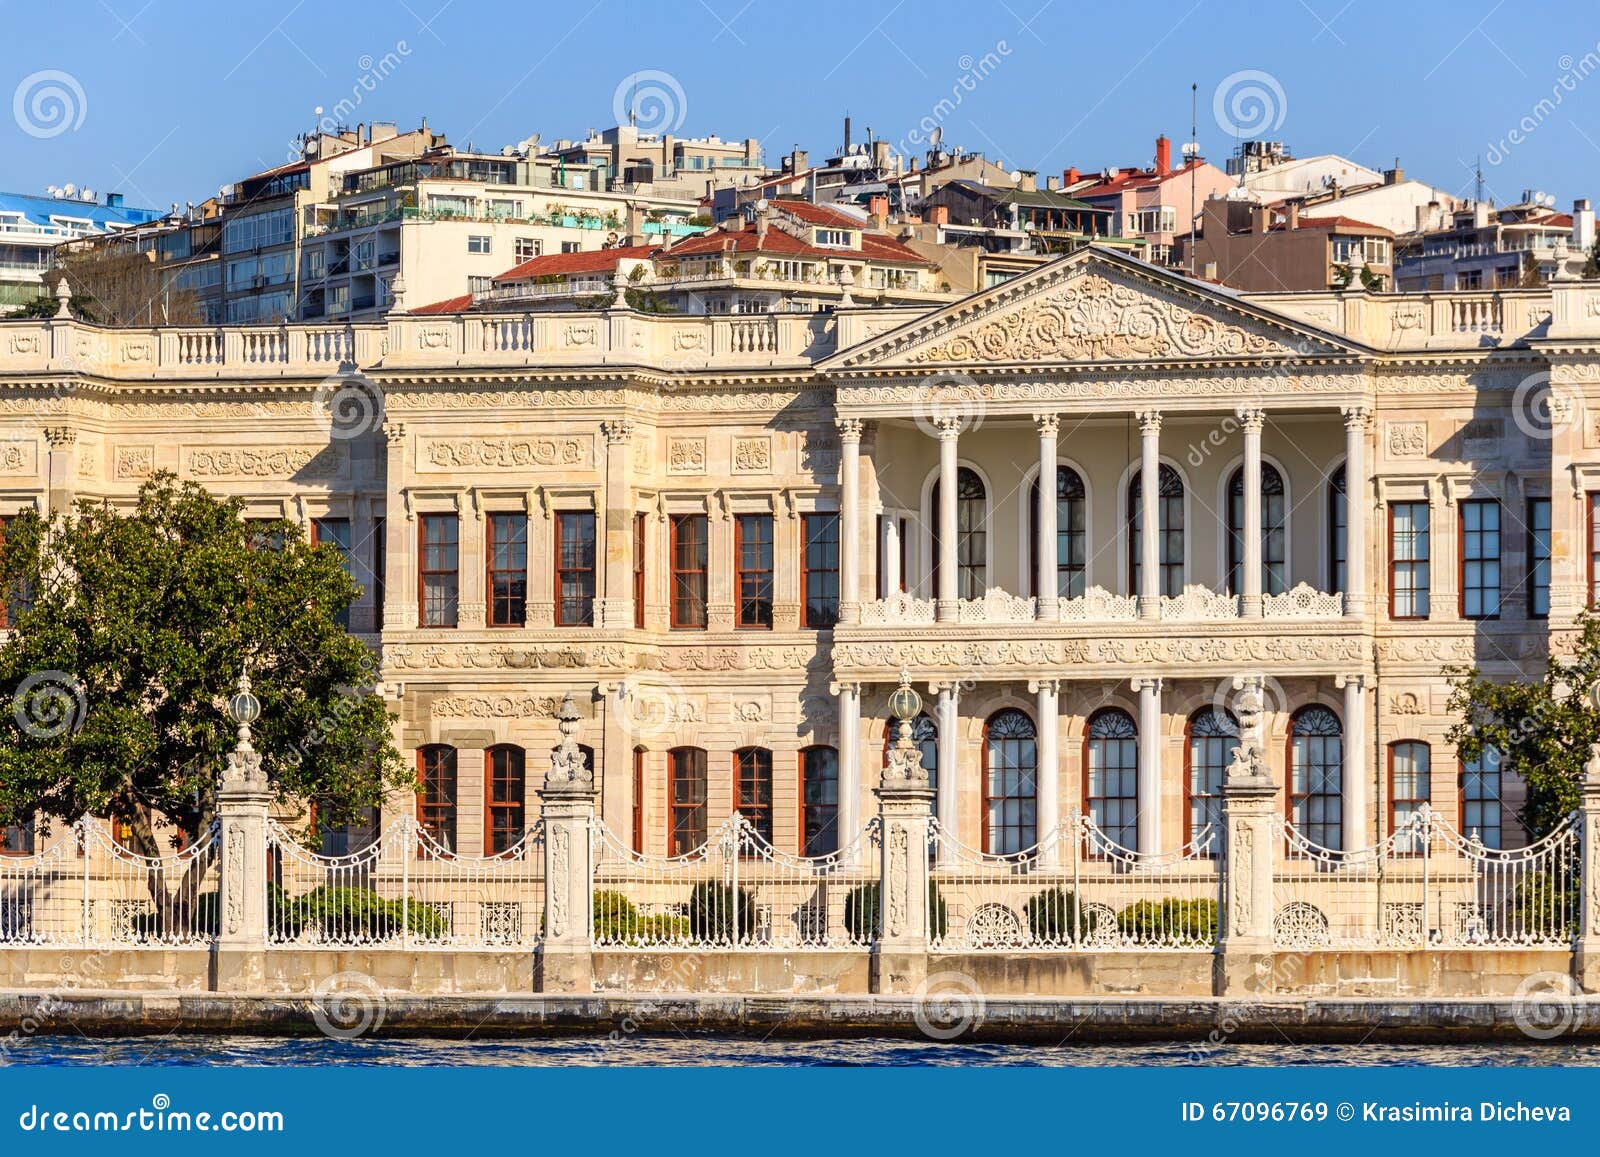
735,890
405,889
1077,890
1428,886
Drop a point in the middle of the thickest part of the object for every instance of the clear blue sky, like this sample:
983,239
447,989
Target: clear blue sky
166,100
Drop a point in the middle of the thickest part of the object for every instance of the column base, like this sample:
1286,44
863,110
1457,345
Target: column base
849,612
1249,606
1355,606
1149,608
614,614
1049,610
898,971
563,970
238,969
946,610
1244,969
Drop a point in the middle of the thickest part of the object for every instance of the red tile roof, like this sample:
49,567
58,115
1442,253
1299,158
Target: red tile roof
1132,178
874,246
819,214
1343,223
449,305
589,261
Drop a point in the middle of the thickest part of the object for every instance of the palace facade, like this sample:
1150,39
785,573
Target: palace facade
729,536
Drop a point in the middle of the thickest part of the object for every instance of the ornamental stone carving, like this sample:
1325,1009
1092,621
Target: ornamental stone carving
1199,604
686,455
997,606
264,462
549,453
752,455
1098,605
899,607
1302,601
16,458
1408,439
496,707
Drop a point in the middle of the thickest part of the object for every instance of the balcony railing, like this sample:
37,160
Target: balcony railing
1197,604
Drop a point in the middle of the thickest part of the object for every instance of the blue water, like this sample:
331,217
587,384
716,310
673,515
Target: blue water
697,1050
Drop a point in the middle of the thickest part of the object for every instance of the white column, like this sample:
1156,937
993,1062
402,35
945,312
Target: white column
849,761
1149,765
947,720
1357,833
1045,577
1357,511
889,548
849,519
949,432
1149,507
1047,808
1250,580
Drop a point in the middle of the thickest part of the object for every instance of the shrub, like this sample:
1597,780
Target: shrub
616,918
344,914
1153,921
1056,916
861,913
712,907
1543,906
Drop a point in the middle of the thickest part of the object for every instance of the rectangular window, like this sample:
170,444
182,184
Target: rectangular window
1408,560
477,244
505,800
1480,559
819,570
753,788
1480,797
508,570
1594,547
688,768
1410,789
752,554
436,802
438,579
527,248
689,571
575,569
638,801
640,527
16,840
380,568
334,532
1538,558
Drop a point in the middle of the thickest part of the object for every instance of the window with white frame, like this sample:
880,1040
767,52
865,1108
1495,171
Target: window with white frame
527,248
478,243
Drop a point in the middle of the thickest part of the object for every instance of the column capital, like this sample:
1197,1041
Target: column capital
395,433
1151,683
617,430
844,687
849,429
1048,425
949,427
1252,418
1149,422
950,687
59,436
1356,417
1047,686
1355,680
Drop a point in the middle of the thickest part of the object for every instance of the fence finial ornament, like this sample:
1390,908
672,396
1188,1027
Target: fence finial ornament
569,771
244,761
904,767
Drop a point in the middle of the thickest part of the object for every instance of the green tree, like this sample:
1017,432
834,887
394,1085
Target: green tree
1544,729
130,631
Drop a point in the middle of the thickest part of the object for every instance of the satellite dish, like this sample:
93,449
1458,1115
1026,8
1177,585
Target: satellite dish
317,111
69,190
761,205
935,137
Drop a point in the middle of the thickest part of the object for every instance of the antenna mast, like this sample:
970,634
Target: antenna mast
1193,149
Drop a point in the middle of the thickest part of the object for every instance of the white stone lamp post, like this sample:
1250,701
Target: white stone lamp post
905,800
243,801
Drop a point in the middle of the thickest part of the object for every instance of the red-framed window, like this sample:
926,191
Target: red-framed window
689,558
1479,574
16,840
638,800
1408,560
1010,783
1594,546
335,532
438,569
686,804
1410,787
574,568
1315,798
819,571
507,570
640,541
1210,739
436,802
380,568
752,575
505,797
1538,560
347,839
1111,775
1481,813
752,788
819,801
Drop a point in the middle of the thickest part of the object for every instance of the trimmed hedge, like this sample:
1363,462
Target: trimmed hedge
1056,916
1150,921
712,907
617,920
861,912
343,912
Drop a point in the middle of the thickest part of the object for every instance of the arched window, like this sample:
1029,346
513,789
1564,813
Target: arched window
1338,530
1213,737
752,788
925,734
436,802
1111,781
1169,505
1410,788
971,535
1071,539
504,797
1274,516
1316,776
1480,797
1010,783
819,801
686,807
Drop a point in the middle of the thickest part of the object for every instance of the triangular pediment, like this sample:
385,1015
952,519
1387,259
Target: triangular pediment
1093,306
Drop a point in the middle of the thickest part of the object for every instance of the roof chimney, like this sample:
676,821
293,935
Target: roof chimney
1582,225
879,208
1258,219
1028,181
1163,156
1071,176
1291,215
939,215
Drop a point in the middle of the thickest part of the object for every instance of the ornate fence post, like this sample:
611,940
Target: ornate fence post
565,961
905,803
242,805
1586,957
1250,830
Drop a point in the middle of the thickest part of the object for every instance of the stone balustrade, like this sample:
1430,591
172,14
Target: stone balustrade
1197,604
